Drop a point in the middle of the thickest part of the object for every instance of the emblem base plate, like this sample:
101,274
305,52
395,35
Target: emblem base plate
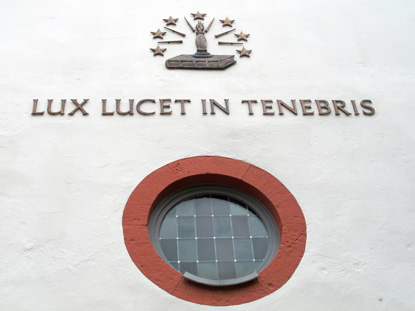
212,62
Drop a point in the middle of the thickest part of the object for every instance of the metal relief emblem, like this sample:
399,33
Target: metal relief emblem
202,59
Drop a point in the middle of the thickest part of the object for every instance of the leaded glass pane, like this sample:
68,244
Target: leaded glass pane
187,250
220,206
256,226
208,270
206,249
202,206
226,270
222,226
240,226
185,208
260,246
224,249
169,228
169,247
243,249
186,227
213,237
204,227
190,267
237,209
244,268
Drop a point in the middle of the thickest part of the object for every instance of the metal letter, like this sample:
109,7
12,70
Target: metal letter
356,112
305,104
118,104
61,112
282,104
142,102
249,102
266,107
341,107
215,103
104,109
182,102
34,112
323,105
365,106
165,106
204,106
79,107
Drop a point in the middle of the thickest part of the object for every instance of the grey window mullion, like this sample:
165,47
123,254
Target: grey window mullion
250,238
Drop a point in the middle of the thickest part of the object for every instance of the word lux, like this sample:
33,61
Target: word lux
78,107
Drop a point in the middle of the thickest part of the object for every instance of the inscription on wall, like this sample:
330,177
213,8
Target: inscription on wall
169,106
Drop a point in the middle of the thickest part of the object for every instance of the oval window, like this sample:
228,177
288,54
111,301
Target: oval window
215,221
214,235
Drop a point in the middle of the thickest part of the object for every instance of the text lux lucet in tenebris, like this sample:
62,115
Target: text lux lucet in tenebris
168,106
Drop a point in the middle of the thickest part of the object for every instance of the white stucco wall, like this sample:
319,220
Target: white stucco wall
64,180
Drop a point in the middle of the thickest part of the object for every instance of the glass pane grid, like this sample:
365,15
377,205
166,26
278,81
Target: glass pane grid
214,237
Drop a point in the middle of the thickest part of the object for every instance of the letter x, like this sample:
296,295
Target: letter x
79,107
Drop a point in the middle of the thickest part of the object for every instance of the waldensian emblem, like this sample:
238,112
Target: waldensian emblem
202,59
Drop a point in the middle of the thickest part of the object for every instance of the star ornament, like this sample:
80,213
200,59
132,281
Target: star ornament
158,51
242,36
227,22
244,52
198,15
170,20
158,34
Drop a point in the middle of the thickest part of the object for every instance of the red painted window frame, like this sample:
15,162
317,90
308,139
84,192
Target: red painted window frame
222,171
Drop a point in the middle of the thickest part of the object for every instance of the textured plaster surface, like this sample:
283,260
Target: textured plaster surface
64,181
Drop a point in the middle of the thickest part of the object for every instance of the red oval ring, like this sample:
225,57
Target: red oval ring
224,171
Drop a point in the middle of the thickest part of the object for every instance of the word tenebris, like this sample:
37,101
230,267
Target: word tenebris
168,106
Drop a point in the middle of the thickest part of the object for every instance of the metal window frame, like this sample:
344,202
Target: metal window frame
171,200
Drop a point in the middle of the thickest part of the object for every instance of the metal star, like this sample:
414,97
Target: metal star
158,51
170,20
227,22
244,52
158,34
198,15
242,36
